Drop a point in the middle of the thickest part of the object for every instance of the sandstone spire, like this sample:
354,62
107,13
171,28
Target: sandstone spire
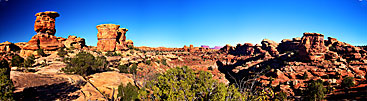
45,22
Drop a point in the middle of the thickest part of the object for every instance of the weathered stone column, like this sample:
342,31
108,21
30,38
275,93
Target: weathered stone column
45,22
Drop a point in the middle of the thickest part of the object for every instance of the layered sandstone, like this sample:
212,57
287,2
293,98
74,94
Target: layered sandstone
74,42
45,22
312,47
7,47
111,38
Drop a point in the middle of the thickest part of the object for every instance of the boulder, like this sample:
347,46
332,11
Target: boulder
73,41
270,46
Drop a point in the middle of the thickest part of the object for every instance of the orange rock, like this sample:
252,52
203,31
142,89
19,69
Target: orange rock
45,22
312,47
6,47
112,38
73,41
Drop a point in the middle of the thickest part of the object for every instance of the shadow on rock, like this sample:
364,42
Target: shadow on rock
48,92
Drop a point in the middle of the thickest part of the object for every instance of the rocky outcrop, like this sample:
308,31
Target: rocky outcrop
289,45
111,38
270,46
312,47
7,47
75,42
43,41
45,22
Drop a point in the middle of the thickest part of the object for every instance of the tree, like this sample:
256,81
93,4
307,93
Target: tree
128,92
6,85
61,52
17,61
347,82
85,64
185,84
315,91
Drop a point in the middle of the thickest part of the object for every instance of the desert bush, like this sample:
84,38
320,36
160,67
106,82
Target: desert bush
6,85
29,61
130,47
148,62
185,84
123,68
17,61
133,69
281,96
128,92
85,64
305,76
40,52
164,62
315,91
61,52
347,82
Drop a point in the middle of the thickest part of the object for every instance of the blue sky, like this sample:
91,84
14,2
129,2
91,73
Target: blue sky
175,23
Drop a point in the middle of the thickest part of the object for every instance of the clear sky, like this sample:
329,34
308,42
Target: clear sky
175,23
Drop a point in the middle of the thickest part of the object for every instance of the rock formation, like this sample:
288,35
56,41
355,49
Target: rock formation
111,38
45,39
45,22
312,47
6,47
75,42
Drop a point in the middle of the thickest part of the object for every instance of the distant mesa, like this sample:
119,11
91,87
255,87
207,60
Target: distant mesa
311,47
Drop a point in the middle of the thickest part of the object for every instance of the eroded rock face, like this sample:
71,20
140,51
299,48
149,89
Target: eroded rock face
45,22
73,41
43,41
112,38
270,46
312,47
6,47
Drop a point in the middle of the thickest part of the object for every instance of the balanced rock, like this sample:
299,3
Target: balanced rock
312,47
45,22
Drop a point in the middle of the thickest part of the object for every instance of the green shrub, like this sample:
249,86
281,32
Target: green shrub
61,52
128,92
17,61
133,69
347,82
315,91
130,47
148,62
305,76
123,68
185,84
6,85
85,64
40,52
164,62
281,96
29,61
